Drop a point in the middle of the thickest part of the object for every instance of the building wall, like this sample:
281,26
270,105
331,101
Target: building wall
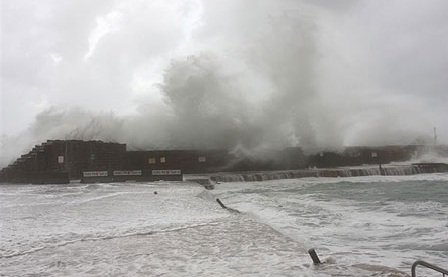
189,161
355,156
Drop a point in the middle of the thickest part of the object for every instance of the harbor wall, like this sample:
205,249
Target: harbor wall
419,168
59,161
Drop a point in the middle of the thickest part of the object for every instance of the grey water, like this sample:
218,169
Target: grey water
360,226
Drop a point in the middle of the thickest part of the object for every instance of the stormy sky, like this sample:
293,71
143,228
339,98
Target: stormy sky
166,74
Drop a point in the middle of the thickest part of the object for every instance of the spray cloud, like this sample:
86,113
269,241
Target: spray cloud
224,74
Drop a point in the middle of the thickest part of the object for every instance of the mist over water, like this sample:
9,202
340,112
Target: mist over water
230,75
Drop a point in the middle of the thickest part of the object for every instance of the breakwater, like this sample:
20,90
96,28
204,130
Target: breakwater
418,168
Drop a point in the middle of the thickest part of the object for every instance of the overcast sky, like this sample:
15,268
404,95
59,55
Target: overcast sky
223,73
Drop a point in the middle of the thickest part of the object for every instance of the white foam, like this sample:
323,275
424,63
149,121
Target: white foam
386,232
137,233
126,229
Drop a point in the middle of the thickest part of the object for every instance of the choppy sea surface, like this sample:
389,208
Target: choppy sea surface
359,226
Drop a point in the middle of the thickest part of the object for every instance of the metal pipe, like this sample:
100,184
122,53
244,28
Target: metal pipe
428,265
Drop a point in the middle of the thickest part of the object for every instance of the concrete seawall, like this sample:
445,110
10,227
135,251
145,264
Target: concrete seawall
413,169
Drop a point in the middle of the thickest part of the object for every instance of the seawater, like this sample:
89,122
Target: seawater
360,226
